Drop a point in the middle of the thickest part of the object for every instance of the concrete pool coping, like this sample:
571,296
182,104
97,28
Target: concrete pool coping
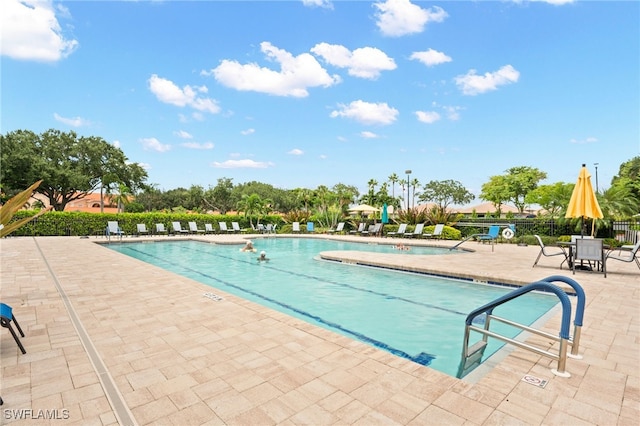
177,357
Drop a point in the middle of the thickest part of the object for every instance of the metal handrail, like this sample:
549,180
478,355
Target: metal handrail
563,337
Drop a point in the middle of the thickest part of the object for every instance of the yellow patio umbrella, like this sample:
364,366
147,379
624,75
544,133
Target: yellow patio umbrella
583,201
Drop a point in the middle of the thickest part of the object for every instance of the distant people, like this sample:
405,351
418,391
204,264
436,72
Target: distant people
263,257
249,247
401,247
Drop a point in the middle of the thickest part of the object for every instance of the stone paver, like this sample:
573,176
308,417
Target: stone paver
171,356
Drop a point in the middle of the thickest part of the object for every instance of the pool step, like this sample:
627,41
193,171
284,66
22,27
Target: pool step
476,351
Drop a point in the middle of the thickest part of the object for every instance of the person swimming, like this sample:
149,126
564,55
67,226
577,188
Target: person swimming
249,247
263,257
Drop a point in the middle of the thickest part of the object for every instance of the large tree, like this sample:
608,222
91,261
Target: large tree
70,166
446,192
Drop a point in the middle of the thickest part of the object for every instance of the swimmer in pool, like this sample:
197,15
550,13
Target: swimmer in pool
263,257
249,247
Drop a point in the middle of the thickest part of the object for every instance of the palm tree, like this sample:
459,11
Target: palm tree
251,205
372,186
393,178
415,183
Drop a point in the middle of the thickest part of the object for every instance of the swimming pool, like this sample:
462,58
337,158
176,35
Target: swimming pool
411,315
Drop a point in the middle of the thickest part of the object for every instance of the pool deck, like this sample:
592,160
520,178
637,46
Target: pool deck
112,340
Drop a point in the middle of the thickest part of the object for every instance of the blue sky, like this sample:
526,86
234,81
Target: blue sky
308,93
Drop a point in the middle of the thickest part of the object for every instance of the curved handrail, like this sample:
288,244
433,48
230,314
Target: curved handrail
538,285
579,294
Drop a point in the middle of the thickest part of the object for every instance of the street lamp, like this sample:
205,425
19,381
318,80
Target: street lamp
596,165
408,172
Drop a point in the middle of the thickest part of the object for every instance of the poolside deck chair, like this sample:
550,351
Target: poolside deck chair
437,231
208,229
235,227
310,227
490,236
270,229
359,230
625,254
6,316
177,228
416,232
373,230
550,252
339,228
142,229
160,229
114,229
591,250
401,230
260,228
295,227
224,228
193,228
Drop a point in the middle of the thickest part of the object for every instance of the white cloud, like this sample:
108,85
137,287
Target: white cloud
428,116
30,31
590,139
553,2
248,132
430,57
296,151
364,62
145,166
474,84
453,113
296,74
153,144
196,145
322,156
73,122
368,135
400,17
367,113
168,92
241,164
183,135
326,4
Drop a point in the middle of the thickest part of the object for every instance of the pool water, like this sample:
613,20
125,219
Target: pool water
414,316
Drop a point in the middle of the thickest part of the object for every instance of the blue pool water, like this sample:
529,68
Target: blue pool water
415,316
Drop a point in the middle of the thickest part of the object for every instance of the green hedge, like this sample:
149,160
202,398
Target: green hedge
87,224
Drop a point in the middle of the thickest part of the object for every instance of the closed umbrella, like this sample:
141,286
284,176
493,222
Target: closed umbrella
385,214
583,203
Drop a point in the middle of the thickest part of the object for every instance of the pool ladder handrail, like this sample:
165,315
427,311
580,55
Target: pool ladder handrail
471,356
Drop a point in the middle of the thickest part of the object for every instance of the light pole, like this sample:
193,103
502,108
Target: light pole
596,165
408,172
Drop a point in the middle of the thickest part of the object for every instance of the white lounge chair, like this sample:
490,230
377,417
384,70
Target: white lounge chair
416,232
295,227
160,229
437,231
142,229
401,230
235,226
114,229
359,230
339,228
177,228
208,229
193,228
223,228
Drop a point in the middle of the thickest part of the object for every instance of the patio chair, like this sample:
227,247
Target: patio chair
142,229
235,227
490,236
339,228
177,228
114,229
591,250
295,227
550,252
373,229
626,254
193,228
160,229
416,232
437,231
223,228
310,227
6,316
359,230
260,228
208,229
401,230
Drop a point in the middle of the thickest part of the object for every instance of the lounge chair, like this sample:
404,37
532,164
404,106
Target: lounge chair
359,230
310,227
160,229
550,252
223,228
270,229
142,229
437,231
208,229
416,232
114,229
260,228
6,316
339,228
177,228
490,236
193,228
373,229
626,254
235,227
401,230
295,227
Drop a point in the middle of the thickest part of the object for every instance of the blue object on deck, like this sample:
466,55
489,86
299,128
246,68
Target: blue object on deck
6,316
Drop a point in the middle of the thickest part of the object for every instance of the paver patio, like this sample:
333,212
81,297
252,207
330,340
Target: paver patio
112,340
